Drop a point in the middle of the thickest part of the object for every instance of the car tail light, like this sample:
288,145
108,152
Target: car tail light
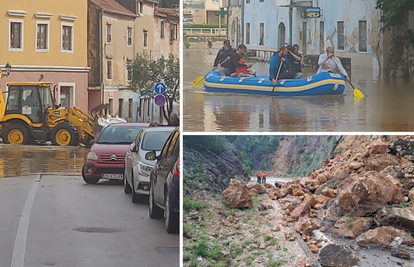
177,168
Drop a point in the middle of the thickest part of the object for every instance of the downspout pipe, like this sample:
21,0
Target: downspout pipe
102,54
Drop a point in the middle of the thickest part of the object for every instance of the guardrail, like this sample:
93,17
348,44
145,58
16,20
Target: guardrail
205,31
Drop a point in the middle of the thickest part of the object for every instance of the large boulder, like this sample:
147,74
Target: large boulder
237,195
338,256
274,193
395,216
372,188
311,200
411,195
253,184
301,210
381,161
306,225
353,226
383,237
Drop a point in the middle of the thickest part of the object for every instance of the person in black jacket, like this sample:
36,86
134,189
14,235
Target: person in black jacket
295,60
223,58
235,58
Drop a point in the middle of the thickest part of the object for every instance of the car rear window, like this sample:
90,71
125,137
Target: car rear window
154,140
119,135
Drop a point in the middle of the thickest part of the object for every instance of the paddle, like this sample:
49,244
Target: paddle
200,79
357,93
277,75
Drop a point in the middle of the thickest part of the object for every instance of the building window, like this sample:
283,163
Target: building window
247,33
162,29
111,106
362,36
129,69
16,35
341,39
261,1
109,33
121,101
261,34
67,38
215,1
129,33
130,105
145,38
247,1
140,7
42,36
109,69
174,31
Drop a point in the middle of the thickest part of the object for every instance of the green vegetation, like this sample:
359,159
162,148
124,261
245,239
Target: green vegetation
394,12
274,263
404,205
328,184
187,45
188,204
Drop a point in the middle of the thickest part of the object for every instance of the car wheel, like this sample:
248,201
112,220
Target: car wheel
127,187
171,217
155,212
136,198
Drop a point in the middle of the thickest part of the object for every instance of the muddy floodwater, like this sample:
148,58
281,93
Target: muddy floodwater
386,107
24,160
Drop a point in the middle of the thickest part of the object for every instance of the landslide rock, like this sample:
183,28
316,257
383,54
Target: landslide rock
301,210
329,192
253,192
312,201
381,161
372,188
237,195
274,193
383,236
267,185
338,256
355,165
253,184
353,226
411,195
379,149
396,216
306,225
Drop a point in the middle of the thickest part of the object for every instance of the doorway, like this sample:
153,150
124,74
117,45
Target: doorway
66,94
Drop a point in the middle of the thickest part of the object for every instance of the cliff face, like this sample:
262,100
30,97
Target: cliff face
210,164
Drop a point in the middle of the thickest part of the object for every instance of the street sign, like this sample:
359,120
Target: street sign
160,88
221,13
159,100
313,12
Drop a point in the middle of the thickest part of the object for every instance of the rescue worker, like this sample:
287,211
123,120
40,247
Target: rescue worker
264,178
258,177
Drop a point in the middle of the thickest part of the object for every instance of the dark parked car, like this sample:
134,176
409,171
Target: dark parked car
164,192
107,155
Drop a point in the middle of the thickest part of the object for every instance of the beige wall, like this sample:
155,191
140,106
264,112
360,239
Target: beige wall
117,51
145,22
165,47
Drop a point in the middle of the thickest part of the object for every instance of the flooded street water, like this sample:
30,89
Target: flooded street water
24,160
387,106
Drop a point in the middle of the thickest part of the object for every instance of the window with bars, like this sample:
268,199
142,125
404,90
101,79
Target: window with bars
67,38
247,33
109,33
174,32
362,36
341,35
129,69
129,33
261,34
41,36
109,69
162,29
15,35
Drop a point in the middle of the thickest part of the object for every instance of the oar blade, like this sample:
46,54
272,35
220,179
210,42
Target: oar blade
199,80
358,93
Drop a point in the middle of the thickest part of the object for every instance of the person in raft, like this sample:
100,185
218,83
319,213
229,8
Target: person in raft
243,71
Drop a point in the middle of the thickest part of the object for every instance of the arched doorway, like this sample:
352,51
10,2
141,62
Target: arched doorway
281,35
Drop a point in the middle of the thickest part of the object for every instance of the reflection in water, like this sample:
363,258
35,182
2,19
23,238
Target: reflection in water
385,107
25,160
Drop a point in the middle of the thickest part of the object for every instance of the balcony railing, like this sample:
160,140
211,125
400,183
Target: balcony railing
205,31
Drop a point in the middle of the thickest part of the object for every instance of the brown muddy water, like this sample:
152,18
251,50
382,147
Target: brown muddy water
386,107
24,160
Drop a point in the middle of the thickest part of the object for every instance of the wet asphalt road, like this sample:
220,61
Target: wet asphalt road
61,221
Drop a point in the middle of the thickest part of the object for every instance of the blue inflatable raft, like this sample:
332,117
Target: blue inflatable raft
323,83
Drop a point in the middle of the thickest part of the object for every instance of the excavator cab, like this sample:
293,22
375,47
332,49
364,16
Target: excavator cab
30,114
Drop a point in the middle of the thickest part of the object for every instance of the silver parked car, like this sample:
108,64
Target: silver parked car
137,167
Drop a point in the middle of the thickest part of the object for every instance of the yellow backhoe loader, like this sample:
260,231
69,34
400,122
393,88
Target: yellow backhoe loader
30,114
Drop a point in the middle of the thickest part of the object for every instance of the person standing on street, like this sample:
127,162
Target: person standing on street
223,58
330,63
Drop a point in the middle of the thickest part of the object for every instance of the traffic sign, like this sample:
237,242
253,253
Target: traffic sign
160,88
159,100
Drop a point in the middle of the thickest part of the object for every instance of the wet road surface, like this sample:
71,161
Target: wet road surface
385,107
75,224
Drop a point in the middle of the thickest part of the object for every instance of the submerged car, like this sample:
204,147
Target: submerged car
106,158
164,192
137,167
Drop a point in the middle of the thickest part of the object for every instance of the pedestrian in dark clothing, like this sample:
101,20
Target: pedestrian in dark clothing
295,59
235,58
174,121
222,61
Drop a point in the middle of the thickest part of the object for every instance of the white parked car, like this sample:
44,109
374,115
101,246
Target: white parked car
137,167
